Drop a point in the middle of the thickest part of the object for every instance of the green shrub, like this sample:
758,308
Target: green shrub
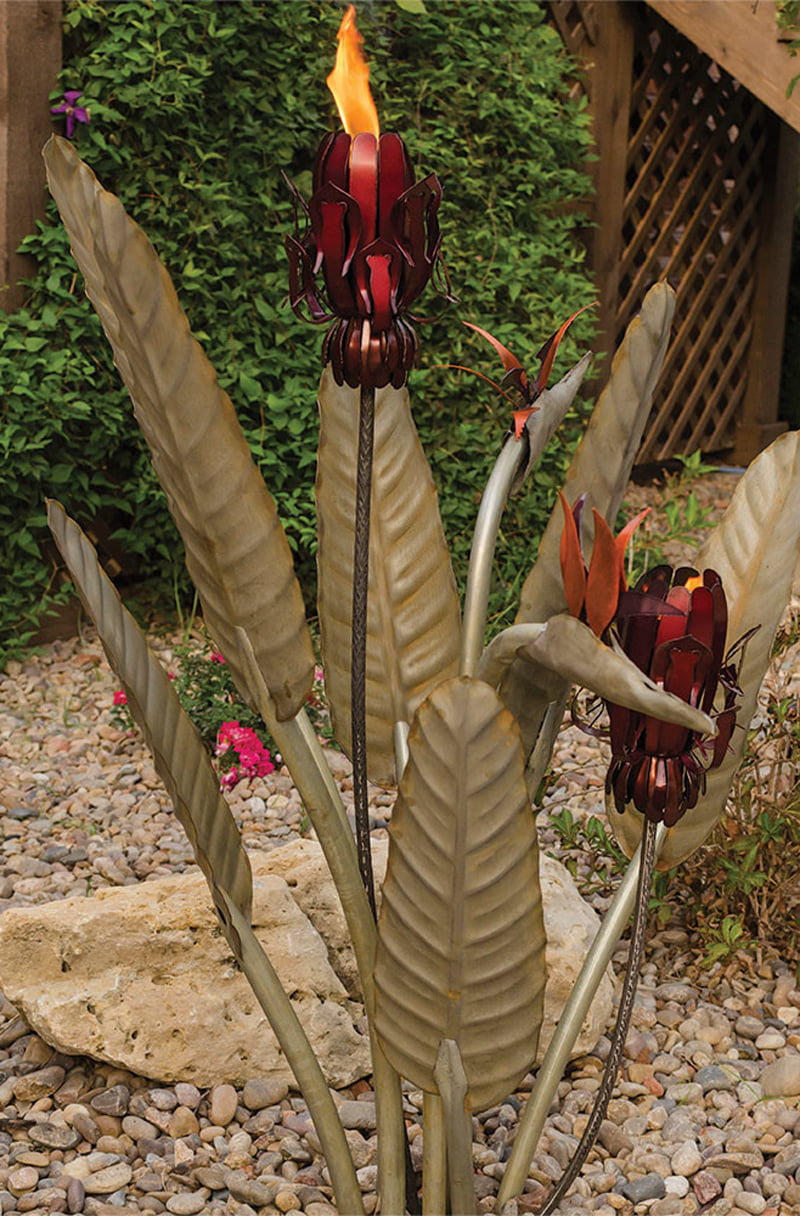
195,110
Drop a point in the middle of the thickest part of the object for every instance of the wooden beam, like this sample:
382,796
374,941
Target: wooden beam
30,59
611,60
743,38
759,423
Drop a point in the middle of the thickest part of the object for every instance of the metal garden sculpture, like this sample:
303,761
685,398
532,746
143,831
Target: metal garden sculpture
453,971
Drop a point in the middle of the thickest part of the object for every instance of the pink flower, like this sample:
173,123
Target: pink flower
216,657
120,697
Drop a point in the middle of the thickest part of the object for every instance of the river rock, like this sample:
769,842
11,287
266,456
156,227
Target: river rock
569,922
141,977
782,1078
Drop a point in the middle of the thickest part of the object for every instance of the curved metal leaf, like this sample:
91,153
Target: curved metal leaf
461,936
754,550
551,407
179,756
568,648
413,611
600,467
182,763
236,550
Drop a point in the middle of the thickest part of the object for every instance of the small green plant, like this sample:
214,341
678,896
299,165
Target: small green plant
725,940
589,842
747,874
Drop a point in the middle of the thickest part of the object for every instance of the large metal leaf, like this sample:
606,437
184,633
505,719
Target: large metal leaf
236,550
600,468
461,937
754,550
179,756
568,648
413,612
183,765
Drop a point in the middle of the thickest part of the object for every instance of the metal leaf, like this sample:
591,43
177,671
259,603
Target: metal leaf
236,550
413,611
754,550
600,467
567,647
179,756
183,765
461,937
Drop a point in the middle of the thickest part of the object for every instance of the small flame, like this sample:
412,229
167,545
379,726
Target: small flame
349,81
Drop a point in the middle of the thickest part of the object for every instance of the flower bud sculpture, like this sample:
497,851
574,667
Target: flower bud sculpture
372,234
672,625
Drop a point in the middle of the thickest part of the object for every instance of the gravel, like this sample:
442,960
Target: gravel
704,1116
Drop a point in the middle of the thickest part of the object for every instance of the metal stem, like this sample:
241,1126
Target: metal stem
639,932
358,669
479,576
569,1025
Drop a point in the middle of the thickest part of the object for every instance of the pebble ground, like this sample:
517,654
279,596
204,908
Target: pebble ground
692,1126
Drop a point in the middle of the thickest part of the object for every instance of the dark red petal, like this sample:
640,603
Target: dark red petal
700,622
331,161
363,182
394,177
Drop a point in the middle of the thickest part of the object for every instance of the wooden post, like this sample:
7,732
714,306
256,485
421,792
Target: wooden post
609,103
759,423
30,59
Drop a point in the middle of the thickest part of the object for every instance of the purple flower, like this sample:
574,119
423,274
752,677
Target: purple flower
73,113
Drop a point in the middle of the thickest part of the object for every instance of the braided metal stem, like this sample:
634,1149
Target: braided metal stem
624,1012
358,666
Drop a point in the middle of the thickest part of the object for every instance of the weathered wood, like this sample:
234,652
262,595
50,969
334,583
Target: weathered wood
30,59
759,423
689,188
611,58
745,40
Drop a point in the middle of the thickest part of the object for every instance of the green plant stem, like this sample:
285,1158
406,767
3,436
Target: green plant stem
568,1028
479,578
358,669
303,1063
434,1157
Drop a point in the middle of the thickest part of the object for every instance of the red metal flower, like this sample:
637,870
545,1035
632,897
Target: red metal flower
373,234
673,626
371,231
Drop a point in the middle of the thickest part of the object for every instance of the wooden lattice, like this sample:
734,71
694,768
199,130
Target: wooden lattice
694,167
694,185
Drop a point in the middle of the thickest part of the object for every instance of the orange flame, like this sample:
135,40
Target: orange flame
349,81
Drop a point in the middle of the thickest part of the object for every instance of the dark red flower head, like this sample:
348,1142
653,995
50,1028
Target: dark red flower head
672,625
373,238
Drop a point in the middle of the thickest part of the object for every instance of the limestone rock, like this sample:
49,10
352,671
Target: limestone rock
569,922
141,977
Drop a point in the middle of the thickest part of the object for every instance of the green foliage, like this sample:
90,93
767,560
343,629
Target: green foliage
195,110
209,696
589,851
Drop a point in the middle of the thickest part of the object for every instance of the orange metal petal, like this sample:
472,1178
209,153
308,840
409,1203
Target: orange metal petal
573,570
603,581
510,362
548,352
